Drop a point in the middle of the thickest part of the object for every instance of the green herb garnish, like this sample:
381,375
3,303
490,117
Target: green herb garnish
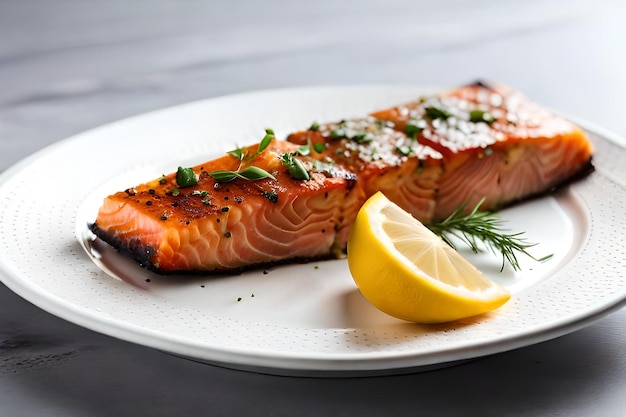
251,173
404,150
267,139
315,127
237,153
319,147
412,130
477,116
202,194
437,113
269,135
254,173
337,134
483,226
223,175
295,166
185,177
362,138
305,150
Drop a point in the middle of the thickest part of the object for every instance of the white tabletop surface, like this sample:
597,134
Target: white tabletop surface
67,66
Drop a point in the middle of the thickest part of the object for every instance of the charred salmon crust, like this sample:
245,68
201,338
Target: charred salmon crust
300,197
133,248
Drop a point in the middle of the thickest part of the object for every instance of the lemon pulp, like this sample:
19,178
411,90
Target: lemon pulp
407,271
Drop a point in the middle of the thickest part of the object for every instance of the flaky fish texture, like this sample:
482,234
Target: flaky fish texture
480,141
496,144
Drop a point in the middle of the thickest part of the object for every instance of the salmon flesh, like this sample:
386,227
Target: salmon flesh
477,142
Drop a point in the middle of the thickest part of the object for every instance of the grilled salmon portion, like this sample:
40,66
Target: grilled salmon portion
220,226
496,144
383,159
277,201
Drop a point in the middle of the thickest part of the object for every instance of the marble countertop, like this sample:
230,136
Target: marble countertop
67,66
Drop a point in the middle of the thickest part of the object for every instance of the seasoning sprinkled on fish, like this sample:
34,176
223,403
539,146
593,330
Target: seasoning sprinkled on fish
279,201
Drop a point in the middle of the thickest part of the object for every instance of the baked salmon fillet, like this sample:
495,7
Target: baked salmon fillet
228,225
279,201
496,144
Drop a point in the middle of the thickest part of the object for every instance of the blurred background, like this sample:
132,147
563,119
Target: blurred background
70,65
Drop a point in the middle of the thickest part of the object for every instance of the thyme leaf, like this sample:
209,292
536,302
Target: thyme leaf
404,150
362,138
269,135
237,153
267,139
413,128
223,175
477,116
437,113
295,167
254,173
305,150
251,173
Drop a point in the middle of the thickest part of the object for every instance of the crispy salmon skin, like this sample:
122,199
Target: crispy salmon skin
296,199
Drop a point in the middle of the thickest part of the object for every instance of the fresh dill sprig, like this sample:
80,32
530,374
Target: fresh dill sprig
484,226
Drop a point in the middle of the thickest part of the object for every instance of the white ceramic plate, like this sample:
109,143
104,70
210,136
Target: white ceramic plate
305,319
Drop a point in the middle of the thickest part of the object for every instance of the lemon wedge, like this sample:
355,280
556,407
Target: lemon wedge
407,271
